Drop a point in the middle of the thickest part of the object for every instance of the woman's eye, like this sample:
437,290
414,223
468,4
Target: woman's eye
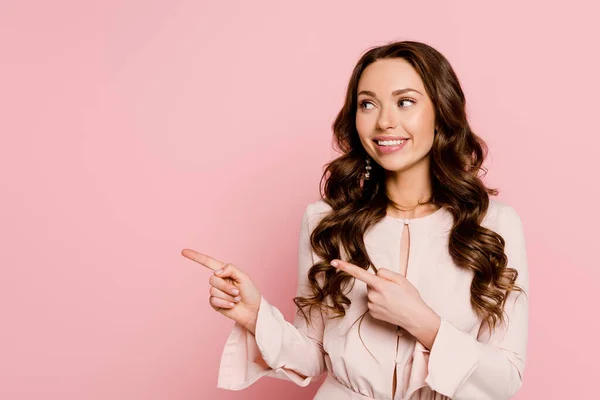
363,103
402,103
406,100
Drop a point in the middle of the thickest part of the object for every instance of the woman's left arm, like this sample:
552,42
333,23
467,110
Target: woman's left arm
464,367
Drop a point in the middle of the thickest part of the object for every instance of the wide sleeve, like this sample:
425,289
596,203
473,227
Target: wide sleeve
279,349
490,366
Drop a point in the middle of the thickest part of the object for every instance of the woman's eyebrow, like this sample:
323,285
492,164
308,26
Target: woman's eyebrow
394,93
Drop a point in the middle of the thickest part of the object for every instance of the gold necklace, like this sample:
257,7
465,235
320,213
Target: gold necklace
409,209
413,208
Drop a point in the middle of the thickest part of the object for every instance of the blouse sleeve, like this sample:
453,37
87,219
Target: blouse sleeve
490,366
279,349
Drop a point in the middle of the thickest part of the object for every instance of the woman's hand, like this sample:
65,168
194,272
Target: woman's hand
392,298
232,292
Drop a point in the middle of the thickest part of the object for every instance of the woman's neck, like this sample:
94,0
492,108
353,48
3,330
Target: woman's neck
408,189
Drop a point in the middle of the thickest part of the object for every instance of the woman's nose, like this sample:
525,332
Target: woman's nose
387,119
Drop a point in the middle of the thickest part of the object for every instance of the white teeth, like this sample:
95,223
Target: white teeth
390,142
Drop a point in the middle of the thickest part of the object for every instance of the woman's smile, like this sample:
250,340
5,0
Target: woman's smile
389,146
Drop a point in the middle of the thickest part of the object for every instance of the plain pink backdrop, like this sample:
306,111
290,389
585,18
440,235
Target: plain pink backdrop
133,129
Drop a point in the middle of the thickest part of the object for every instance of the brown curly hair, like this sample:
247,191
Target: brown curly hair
456,159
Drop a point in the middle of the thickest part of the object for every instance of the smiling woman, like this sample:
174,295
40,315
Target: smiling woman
412,281
398,119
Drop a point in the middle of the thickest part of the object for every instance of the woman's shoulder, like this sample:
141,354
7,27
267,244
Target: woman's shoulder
314,212
318,207
502,215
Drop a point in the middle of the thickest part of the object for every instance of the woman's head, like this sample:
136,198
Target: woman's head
394,111
433,117
440,140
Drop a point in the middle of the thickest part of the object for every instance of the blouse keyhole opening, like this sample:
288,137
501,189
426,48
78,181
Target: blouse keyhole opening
403,269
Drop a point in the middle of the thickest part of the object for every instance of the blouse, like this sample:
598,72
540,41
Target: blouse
466,360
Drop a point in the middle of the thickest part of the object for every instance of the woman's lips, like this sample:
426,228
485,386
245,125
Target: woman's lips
390,149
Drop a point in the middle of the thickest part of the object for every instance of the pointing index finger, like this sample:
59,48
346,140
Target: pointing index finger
357,272
203,259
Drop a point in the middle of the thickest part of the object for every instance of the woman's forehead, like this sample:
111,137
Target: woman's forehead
387,75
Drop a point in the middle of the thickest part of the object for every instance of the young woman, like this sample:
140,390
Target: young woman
412,282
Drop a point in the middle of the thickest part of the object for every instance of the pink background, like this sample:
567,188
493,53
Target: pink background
131,130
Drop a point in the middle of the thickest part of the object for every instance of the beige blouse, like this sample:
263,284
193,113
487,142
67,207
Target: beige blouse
465,361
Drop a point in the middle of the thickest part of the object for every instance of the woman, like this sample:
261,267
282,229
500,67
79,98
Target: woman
412,282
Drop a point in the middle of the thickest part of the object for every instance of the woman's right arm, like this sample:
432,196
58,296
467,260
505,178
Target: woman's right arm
277,348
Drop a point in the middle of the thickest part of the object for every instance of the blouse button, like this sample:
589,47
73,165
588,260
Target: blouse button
399,331
406,221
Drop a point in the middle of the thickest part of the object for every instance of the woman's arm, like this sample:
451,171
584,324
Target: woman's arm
277,348
491,367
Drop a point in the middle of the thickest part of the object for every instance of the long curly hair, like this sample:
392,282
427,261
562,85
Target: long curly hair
456,159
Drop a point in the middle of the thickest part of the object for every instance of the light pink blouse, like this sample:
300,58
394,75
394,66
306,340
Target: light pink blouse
465,361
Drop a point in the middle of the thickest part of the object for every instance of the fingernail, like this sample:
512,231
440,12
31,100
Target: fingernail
235,291
334,263
238,298
219,271
231,304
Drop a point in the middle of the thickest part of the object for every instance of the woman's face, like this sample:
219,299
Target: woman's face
408,114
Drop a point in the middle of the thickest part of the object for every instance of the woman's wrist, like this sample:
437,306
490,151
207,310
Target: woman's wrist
251,326
426,328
